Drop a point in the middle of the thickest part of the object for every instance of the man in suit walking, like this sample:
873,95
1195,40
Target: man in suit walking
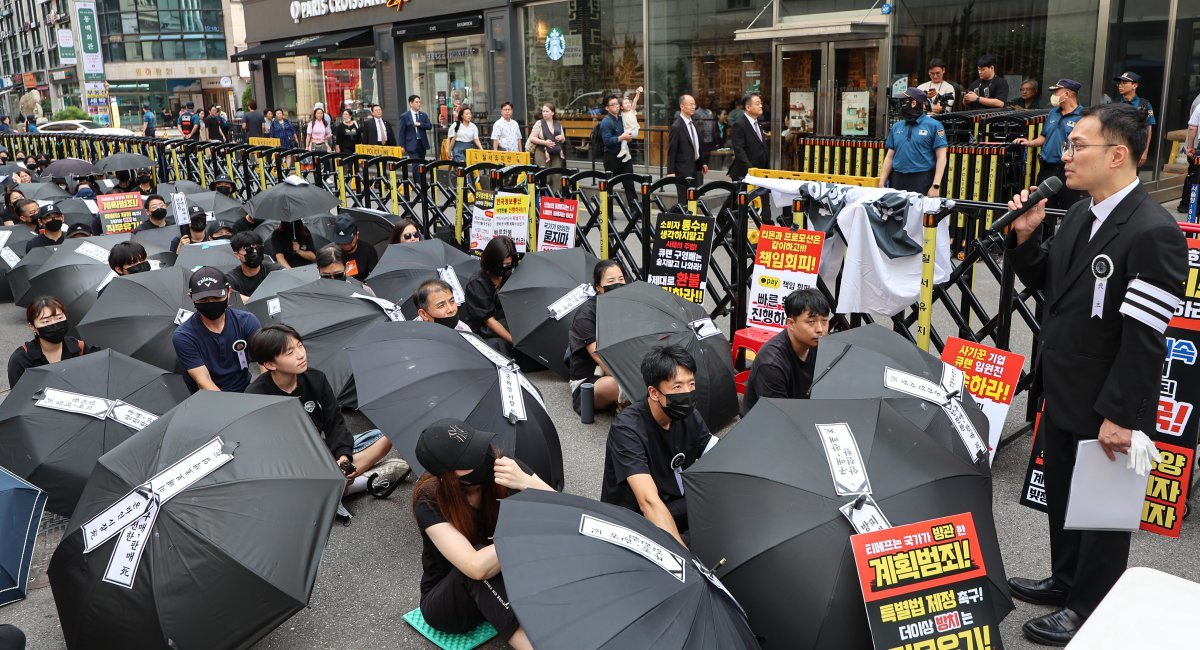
1112,276
683,145
749,146
413,125
375,130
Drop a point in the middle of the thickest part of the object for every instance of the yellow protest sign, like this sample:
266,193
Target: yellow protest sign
263,142
376,150
503,157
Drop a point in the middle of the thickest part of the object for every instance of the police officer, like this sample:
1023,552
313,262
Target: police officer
1127,85
1059,124
916,148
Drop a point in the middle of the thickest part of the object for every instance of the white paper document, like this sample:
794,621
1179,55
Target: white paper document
1105,495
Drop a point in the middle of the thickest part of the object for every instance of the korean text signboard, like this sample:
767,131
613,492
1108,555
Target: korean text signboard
682,249
991,375
499,213
785,260
925,586
556,223
120,212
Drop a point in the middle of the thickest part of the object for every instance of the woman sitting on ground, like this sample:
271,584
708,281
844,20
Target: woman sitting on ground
407,231
581,342
47,318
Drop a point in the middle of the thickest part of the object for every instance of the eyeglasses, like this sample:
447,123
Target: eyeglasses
1069,148
410,236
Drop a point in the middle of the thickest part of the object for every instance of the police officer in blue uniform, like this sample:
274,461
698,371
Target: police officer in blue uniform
1059,124
916,148
1127,85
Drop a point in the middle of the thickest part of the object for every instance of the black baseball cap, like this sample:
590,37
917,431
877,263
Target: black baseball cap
78,229
1131,77
344,230
914,94
47,210
207,282
450,444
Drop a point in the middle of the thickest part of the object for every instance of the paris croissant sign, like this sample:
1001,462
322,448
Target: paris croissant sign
313,8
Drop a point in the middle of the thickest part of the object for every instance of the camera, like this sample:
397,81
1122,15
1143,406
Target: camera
347,467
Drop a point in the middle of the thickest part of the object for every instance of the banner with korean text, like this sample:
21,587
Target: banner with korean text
785,260
991,375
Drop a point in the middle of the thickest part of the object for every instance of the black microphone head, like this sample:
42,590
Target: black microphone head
1050,187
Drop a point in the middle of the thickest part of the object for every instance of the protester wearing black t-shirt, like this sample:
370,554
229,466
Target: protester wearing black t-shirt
197,230
360,258
247,247
156,208
581,343
47,318
293,245
483,311
456,505
783,367
989,90
654,440
435,303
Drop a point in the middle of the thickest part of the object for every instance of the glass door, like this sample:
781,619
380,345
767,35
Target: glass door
801,70
854,85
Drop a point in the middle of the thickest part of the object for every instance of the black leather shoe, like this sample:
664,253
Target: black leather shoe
1056,629
1038,592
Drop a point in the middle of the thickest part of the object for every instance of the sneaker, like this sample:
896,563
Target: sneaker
384,478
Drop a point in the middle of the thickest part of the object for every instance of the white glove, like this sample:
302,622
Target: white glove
1142,452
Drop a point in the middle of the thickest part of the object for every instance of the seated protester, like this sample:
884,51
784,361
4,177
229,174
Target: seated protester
581,343
361,258
783,366
127,258
218,231
407,231
47,317
86,191
197,229
124,182
456,504
331,266
245,223
483,311
654,439
211,345
79,230
435,304
222,185
293,244
280,351
246,277
50,218
27,212
156,207
145,182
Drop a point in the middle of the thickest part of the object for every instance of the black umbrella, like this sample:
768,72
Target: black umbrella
18,276
282,280
223,208
55,449
8,169
292,200
21,506
76,211
403,267
541,279
632,321
330,319
374,226
159,237
74,273
764,499
853,363
43,191
229,558
579,575
184,187
69,167
209,253
123,162
12,250
413,373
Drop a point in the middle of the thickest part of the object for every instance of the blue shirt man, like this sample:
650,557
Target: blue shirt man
1058,127
149,121
916,148
1127,86
211,344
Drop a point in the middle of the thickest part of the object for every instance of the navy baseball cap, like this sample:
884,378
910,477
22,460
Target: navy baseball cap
207,282
913,93
1131,77
1069,84
344,230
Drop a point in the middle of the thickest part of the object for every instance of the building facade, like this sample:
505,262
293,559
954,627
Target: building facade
822,66
32,52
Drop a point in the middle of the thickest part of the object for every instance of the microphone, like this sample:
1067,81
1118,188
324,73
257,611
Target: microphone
1047,189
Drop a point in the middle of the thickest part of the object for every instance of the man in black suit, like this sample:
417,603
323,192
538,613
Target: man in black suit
1112,276
683,145
749,146
375,130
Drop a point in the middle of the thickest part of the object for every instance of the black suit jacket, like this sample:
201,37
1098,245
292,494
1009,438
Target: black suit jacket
412,135
369,134
681,154
1107,367
748,150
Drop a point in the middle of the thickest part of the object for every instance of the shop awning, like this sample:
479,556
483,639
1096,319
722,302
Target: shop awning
301,46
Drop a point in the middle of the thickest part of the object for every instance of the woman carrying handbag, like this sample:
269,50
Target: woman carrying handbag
547,141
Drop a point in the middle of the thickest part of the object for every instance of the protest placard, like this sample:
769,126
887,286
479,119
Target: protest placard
682,248
991,375
482,220
925,585
120,213
556,223
511,217
785,260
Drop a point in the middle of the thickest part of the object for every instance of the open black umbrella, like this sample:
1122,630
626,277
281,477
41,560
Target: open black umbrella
764,499
73,274
632,321
292,200
182,186
208,253
854,363
227,557
411,374
374,226
159,237
43,191
331,319
582,574
223,208
56,449
12,250
403,267
21,506
284,279
124,161
540,280
18,276
70,167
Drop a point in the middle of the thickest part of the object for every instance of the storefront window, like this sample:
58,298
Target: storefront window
1138,44
338,80
804,8
448,72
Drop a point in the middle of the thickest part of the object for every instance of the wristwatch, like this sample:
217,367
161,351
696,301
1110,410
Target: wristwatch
937,186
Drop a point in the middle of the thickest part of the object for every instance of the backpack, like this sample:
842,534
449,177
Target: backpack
596,141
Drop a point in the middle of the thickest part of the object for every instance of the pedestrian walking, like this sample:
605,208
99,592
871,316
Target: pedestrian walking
413,125
548,139
1055,134
282,128
318,132
1127,86
189,122
215,125
616,138
1189,147
345,133
463,135
506,132
749,146
149,121
916,149
684,159
254,120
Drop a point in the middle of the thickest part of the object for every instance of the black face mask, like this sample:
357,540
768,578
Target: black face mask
140,267
506,272
222,237
448,321
54,225
212,310
485,473
143,180
198,225
54,332
680,405
254,257
910,112
159,214
225,189
613,287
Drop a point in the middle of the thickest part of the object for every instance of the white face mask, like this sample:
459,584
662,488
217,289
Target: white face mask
1054,100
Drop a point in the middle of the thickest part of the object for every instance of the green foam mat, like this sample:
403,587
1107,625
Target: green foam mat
467,641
